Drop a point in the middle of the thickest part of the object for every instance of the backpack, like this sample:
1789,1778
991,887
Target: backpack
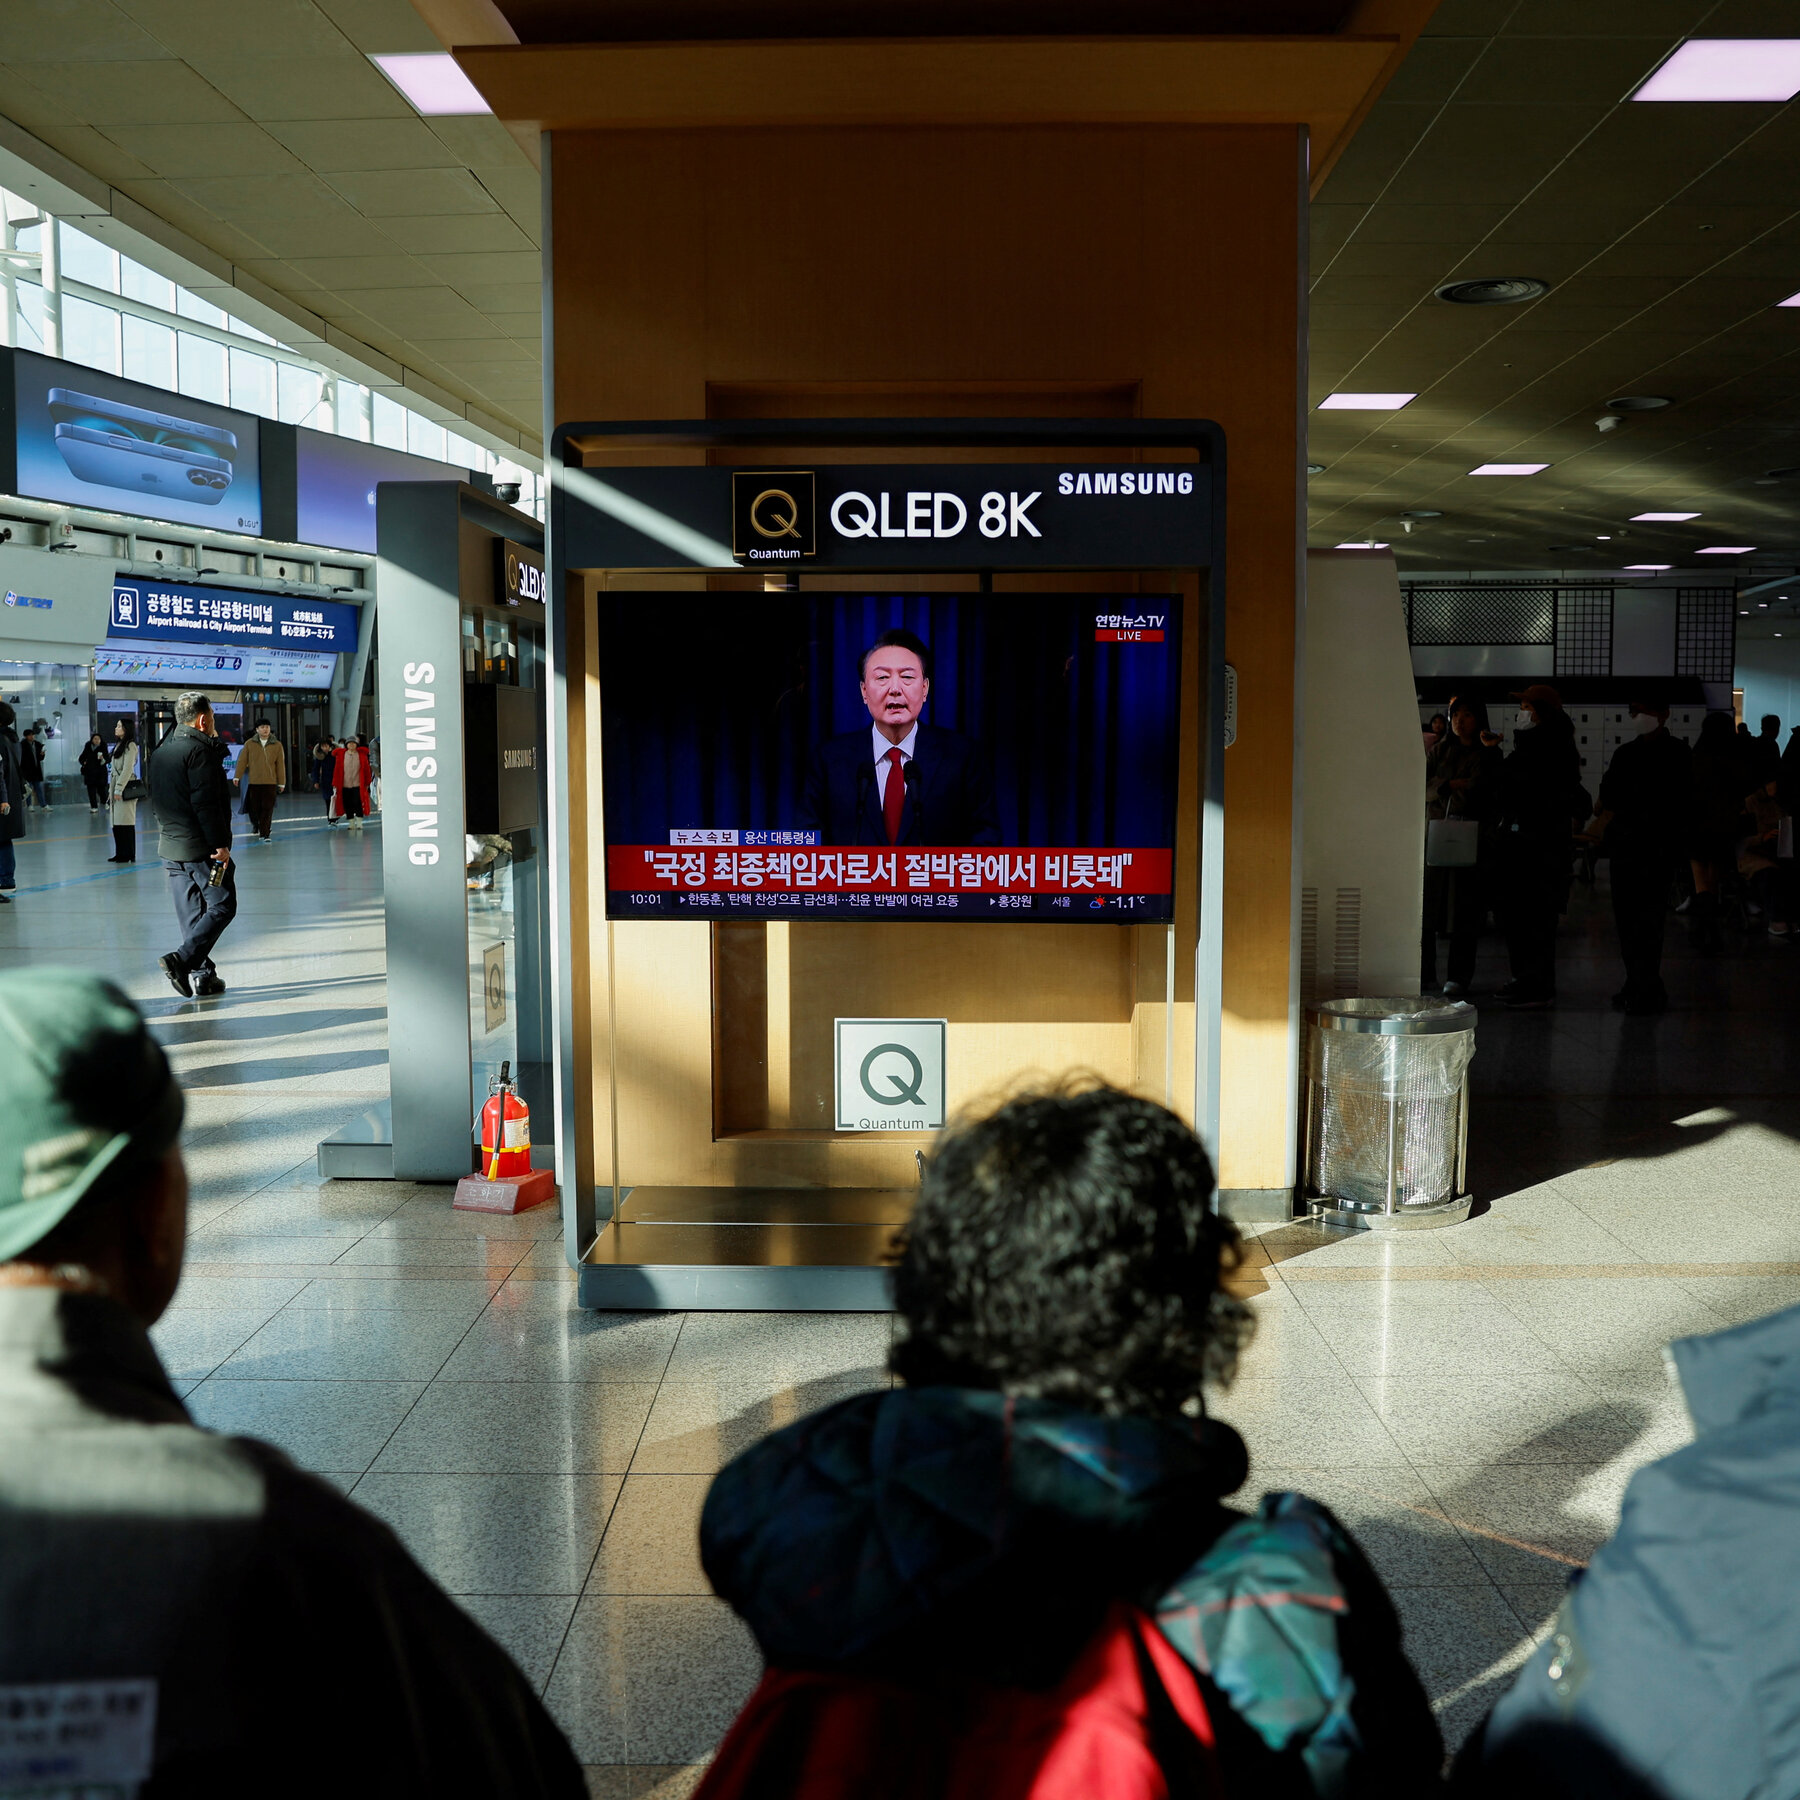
1127,1722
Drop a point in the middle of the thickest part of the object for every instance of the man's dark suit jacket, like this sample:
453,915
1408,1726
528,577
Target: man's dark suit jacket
949,792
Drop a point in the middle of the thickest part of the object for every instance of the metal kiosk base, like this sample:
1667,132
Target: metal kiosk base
1348,1216
721,1249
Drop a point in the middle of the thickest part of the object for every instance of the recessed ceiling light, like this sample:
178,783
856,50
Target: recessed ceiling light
1744,613
1315,468
1627,403
1364,402
1725,550
1763,604
1421,512
1366,544
1494,290
1647,568
433,82
1510,469
1791,300
1728,69
1661,518
1603,537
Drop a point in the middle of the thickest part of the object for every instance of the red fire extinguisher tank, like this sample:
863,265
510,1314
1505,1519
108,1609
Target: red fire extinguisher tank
505,1129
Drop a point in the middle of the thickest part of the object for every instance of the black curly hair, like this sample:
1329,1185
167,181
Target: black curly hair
1064,1247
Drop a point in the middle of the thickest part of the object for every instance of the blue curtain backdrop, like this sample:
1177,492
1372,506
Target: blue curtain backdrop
713,703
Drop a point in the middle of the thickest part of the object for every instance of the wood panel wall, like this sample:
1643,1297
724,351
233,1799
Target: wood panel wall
711,270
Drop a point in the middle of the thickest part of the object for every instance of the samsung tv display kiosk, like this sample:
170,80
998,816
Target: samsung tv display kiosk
878,789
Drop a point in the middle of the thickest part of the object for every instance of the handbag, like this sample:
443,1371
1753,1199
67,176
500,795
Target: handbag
134,789
1452,843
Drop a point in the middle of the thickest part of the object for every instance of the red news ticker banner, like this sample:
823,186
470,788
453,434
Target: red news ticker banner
644,868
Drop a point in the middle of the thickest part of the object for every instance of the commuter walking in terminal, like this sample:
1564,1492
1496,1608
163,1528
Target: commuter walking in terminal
31,766
193,808
1765,750
121,776
1461,782
94,771
193,1595
324,759
350,782
262,774
12,803
1721,774
964,1573
1540,794
1645,810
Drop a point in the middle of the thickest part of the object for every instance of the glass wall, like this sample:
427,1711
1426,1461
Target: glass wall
57,698
111,313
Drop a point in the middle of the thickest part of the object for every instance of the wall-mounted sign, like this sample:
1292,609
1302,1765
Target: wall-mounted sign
230,616
521,574
52,604
90,439
503,727
179,664
334,486
890,1074
905,516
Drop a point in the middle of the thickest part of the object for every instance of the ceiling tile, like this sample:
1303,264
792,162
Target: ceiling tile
125,93
1534,71
526,327
491,348
88,30
192,28
426,311
480,143
384,193
1433,70
274,87
198,148
505,297
97,153
519,190
1488,153
455,236
333,145
346,274
514,269
380,25
168,202
1393,223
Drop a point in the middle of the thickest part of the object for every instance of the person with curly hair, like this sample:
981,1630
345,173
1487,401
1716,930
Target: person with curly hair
925,1565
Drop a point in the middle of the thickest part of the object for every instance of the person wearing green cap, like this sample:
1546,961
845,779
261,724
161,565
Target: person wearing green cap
214,1619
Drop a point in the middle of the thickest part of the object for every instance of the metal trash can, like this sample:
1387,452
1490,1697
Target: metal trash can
1387,1112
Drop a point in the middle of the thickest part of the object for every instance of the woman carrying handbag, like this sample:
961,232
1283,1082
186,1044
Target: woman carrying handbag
124,789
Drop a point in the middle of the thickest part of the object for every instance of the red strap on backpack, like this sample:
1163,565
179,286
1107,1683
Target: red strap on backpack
1127,1722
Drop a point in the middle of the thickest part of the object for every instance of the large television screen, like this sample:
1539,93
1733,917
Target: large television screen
336,479
89,439
916,756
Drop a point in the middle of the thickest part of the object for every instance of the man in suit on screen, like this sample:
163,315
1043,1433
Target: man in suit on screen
899,782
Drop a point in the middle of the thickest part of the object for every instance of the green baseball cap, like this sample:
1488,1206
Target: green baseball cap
85,1083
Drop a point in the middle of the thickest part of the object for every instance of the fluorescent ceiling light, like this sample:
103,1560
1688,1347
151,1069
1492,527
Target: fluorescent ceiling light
1728,69
1510,469
1791,300
431,80
1647,568
1725,550
1366,545
1661,518
1364,402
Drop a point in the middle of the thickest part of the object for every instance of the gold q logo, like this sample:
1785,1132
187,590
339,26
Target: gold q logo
766,512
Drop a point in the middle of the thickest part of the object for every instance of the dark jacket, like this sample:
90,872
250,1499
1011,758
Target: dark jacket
31,759
947,1536
1540,783
12,786
1719,778
949,792
1670,1669
1648,788
1453,760
92,762
296,1648
191,795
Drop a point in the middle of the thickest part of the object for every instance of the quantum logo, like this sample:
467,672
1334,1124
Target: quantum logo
773,515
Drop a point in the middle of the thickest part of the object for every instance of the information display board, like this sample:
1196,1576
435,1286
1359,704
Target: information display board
248,617
90,439
864,755
335,480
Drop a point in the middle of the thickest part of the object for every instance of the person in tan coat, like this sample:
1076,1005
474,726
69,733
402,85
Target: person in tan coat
262,774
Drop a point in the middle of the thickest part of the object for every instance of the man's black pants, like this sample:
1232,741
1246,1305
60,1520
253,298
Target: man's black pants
1534,884
1640,902
201,911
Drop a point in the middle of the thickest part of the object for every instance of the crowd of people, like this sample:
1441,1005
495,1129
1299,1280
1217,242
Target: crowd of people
1016,1574
1690,829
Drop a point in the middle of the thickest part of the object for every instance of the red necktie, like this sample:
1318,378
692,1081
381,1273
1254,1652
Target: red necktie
893,796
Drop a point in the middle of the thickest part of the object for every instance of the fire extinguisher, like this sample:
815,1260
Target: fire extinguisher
505,1129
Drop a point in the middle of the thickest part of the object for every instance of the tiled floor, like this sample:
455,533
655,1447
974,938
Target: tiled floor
1471,1401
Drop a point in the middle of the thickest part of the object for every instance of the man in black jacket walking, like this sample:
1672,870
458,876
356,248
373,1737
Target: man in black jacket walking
1645,803
193,806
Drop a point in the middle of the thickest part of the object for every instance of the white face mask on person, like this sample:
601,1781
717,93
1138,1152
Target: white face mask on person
1522,720
1644,723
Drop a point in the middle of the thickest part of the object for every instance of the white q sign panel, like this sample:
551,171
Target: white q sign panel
890,1074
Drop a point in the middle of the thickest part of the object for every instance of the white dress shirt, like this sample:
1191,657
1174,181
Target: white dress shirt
884,768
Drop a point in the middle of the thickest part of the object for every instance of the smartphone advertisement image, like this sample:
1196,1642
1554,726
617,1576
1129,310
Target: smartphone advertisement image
90,439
